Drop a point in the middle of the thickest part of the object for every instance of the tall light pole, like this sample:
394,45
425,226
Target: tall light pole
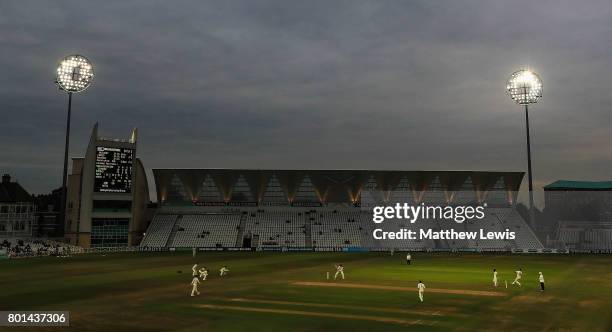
525,87
74,74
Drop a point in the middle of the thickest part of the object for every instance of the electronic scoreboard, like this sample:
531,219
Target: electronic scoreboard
113,170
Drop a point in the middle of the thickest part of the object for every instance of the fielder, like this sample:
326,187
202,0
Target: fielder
224,270
541,282
408,258
194,270
519,275
194,286
494,278
339,270
421,288
203,273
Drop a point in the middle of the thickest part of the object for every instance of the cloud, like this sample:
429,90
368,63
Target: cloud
317,84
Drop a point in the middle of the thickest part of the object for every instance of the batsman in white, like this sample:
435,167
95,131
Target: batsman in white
519,275
224,270
203,273
421,288
494,277
194,286
340,271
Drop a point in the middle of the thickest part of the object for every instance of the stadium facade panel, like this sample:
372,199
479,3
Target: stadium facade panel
250,187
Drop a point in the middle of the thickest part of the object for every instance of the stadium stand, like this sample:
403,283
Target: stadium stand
326,228
322,209
159,230
205,230
585,236
457,243
276,229
578,216
525,237
336,229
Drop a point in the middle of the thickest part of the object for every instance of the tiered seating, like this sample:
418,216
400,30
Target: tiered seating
159,230
277,229
570,236
598,239
584,235
331,227
458,227
206,230
335,229
492,222
525,238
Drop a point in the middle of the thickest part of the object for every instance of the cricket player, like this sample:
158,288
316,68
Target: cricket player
194,270
541,282
408,258
421,288
519,275
194,286
340,271
224,270
494,277
203,273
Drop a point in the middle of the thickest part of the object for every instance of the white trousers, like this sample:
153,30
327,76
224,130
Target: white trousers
421,295
339,272
194,290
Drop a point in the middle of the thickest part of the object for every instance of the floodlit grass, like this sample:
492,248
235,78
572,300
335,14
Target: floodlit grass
146,292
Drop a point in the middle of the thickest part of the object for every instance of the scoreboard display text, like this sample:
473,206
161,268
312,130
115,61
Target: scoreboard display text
113,170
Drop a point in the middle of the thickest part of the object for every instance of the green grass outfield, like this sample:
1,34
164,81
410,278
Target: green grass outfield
145,292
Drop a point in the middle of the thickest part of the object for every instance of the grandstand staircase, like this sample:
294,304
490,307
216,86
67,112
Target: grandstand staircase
174,230
440,243
308,232
243,220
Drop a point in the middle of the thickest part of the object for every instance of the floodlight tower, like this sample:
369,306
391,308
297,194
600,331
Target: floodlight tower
74,74
525,87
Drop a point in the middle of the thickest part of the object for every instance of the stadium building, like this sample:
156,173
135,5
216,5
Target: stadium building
579,215
322,209
17,210
107,194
